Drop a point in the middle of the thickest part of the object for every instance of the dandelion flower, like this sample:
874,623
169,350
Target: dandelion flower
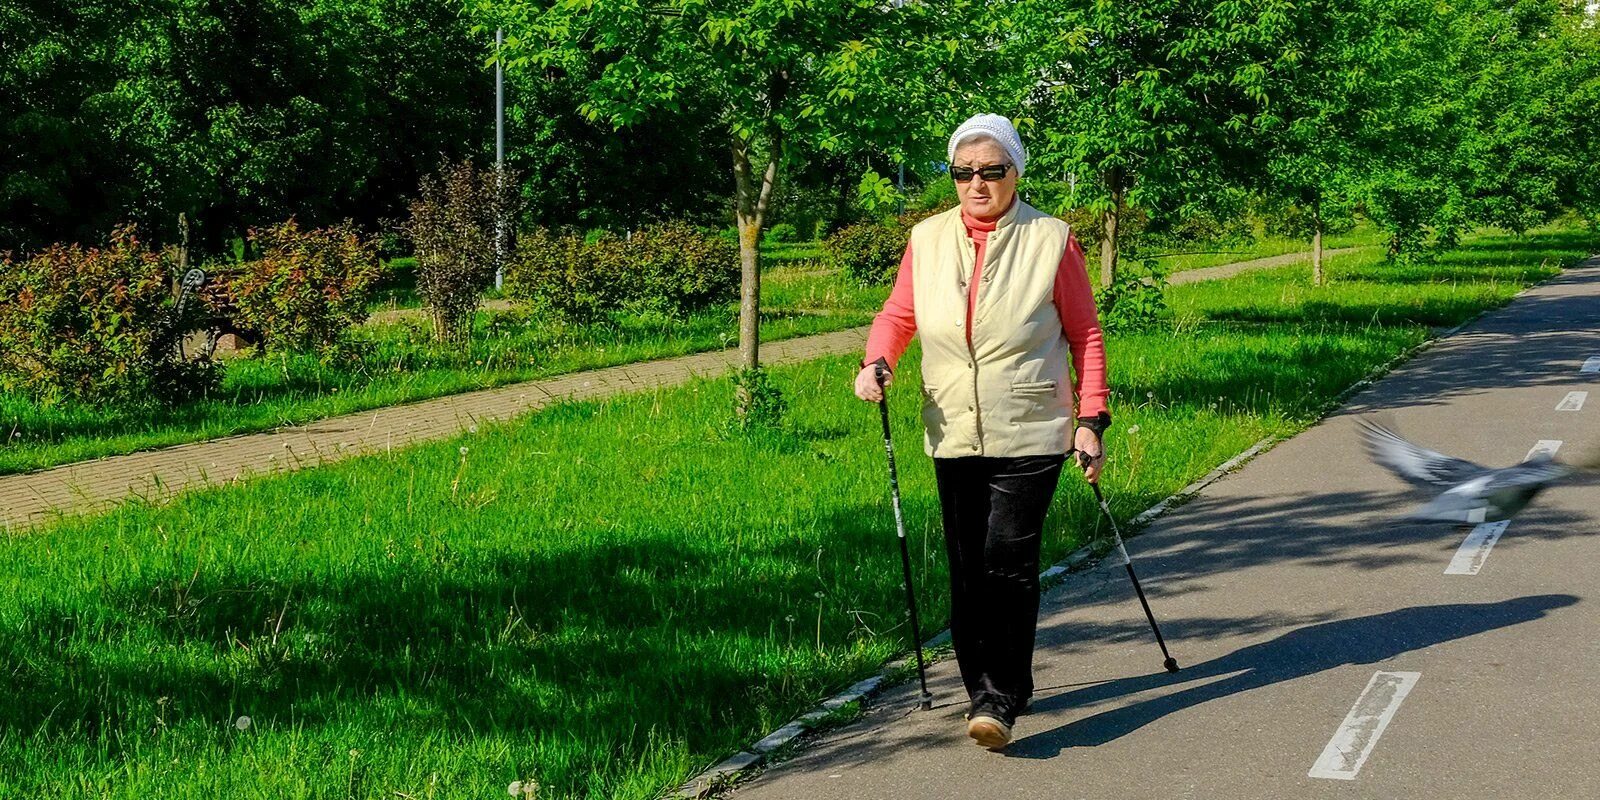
515,789
1133,429
242,723
472,429
819,595
463,450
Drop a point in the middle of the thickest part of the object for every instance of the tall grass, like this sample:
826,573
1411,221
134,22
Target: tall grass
603,596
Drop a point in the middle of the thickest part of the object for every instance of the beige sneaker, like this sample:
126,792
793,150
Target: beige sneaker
989,731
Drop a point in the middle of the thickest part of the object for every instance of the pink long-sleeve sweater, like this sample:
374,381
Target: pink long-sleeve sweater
894,326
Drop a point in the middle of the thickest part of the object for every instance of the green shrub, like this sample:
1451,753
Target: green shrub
307,288
782,233
563,274
1290,220
757,401
1135,301
938,195
453,226
95,325
1089,229
870,252
671,268
1200,229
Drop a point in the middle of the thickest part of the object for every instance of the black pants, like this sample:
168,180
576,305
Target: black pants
994,511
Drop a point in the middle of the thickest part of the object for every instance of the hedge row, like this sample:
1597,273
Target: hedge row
671,268
102,325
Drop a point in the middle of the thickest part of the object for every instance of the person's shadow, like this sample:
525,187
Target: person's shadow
1300,652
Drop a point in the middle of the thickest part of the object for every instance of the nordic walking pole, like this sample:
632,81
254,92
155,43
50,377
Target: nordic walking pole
926,702
1170,663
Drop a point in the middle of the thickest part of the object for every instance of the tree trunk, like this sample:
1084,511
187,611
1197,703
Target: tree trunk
1318,277
750,211
1108,233
841,199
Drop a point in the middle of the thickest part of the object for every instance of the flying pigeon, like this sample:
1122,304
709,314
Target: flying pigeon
1473,493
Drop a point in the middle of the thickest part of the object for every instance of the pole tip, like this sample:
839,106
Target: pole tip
1171,664
927,702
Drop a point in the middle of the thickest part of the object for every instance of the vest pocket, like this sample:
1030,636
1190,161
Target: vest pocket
1034,387
1034,401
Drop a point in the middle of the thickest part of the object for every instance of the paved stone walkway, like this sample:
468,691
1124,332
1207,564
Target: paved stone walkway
89,486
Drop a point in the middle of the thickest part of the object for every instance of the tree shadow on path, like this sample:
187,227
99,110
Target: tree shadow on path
1298,653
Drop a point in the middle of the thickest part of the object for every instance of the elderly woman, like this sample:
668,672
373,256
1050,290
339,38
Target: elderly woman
1000,294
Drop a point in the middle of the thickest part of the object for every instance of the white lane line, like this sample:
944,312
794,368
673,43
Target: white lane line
1592,365
1475,549
1573,401
1545,446
1358,734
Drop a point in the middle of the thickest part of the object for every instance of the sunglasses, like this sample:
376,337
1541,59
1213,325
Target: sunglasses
991,173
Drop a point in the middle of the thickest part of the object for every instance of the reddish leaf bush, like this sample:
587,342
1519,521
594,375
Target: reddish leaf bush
453,226
94,325
307,289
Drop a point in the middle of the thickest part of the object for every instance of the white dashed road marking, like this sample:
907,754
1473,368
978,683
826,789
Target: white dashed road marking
1358,734
1475,549
1573,401
1546,446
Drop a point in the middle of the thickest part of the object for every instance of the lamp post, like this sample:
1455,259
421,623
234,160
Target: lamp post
499,160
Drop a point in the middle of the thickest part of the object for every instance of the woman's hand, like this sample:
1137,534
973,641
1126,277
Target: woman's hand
867,387
1089,454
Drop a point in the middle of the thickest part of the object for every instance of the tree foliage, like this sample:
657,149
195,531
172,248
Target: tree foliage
238,112
766,74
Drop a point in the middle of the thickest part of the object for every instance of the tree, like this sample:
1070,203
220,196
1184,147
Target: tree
1337,72
767,73
1146,100
1486,119
239,113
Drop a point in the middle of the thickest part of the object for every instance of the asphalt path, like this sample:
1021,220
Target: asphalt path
1330,647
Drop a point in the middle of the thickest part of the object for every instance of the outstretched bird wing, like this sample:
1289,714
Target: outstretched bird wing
1495,495
1537,473
1418,465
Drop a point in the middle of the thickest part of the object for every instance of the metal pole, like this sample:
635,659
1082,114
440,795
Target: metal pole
925,702
499,157
1169,663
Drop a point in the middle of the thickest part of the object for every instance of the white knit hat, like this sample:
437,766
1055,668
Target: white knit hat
997,127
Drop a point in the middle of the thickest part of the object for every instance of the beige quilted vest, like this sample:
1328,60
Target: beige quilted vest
1009,393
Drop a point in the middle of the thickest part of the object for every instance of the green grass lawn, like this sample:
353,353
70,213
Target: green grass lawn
399,364
604,596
